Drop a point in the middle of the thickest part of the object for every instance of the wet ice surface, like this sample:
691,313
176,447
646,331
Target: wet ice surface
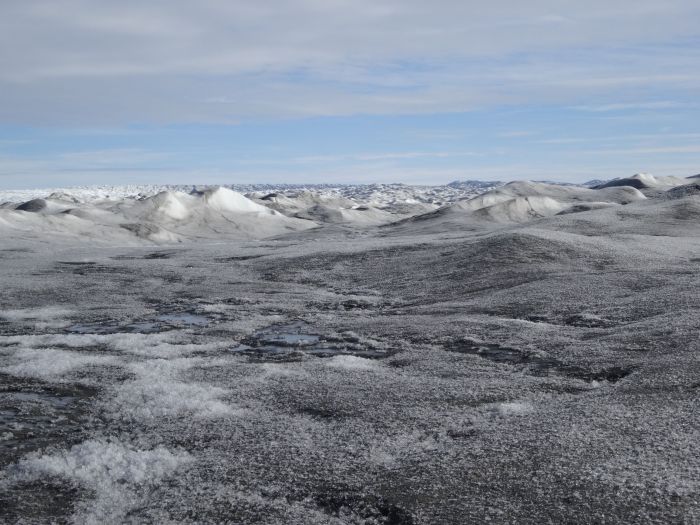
284,341
185,319
110,327
535,364
545,373
159,323
35,415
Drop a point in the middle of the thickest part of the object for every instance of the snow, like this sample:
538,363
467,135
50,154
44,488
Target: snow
176,214
159,392
101,465
379,194
169,205
117,474
48,363
226,200
351,362
48,313
167,217
515,408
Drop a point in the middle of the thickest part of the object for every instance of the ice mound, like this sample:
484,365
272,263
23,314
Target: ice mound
170,205
225,200
52,204
643,181
686,190
520,209
522,201
166,217
325,208
621,195
33,205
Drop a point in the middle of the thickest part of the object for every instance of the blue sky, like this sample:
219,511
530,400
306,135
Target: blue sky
100,92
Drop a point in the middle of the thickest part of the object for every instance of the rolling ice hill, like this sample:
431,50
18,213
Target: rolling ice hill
164,214
171,214
166,217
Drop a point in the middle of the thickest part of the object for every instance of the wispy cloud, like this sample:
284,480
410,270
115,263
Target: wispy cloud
631,106
383,89
111,157
96,62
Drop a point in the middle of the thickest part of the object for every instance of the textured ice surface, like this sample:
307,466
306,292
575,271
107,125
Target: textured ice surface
457,366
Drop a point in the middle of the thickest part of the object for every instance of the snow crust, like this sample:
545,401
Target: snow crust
159,392
116,473
48,363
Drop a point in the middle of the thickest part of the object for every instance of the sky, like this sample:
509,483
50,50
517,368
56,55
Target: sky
346,91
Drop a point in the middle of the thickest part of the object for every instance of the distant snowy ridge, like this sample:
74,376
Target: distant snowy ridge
361,192
166,217
178,213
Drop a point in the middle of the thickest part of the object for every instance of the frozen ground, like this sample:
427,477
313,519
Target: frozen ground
526,356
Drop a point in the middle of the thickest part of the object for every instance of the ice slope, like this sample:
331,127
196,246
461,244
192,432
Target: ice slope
645,180
521,202
171,215
328,208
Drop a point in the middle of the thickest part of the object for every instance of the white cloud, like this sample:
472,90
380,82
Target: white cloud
664,104
99,62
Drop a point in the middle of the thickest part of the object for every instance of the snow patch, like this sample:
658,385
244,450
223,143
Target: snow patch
48,313
158,392
225,200
515,408
50,363
351,362
116,474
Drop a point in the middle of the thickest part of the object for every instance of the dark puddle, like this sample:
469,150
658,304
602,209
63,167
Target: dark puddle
534,364
87,268
368,508
149,256
159,255
114,327
293,340
184,318
160,323
238,258
576,320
